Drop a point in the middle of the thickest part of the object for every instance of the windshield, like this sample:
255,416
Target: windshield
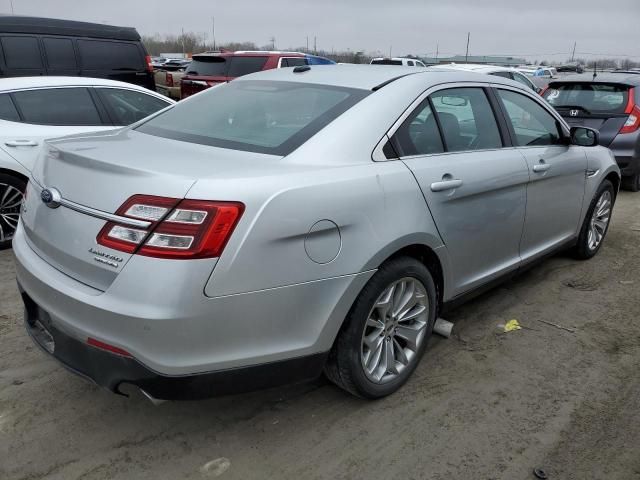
217,66
589,97
256,116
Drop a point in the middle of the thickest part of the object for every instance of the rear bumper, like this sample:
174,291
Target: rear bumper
111,370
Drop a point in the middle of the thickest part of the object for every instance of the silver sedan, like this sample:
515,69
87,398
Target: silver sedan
297,221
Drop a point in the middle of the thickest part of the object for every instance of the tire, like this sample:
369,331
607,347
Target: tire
11,191
585,247
631,183
350,355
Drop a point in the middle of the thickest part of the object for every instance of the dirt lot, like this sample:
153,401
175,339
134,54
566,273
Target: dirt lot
482,405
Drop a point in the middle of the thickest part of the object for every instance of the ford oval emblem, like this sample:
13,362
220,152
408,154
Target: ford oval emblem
51,197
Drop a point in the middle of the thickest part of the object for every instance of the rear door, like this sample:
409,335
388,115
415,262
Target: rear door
474,183
46,113
596,105
557,171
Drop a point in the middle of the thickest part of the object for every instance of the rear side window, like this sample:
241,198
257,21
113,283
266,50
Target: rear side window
101,55
58,106
59,52
129,106
386,61
245,65
466,119
419,134
21,52
208,66
255,116
590,97
532,124
292,61
8,109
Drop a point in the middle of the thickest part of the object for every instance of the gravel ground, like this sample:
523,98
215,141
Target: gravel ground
482,404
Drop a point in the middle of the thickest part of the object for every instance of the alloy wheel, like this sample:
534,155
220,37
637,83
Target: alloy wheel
395,329
10,203
599,220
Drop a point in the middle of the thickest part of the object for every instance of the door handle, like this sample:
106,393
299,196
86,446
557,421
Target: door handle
21,143
446,185
541,167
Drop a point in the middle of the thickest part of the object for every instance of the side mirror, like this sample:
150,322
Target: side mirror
584,136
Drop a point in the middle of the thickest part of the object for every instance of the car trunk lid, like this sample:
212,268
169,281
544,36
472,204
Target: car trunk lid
94,176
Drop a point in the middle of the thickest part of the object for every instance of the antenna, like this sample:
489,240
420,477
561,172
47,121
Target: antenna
466,55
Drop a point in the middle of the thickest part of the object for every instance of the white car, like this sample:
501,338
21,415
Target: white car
496,70
544,72
33,109
398,61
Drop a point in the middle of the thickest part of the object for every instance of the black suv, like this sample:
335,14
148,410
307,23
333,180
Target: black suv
32,46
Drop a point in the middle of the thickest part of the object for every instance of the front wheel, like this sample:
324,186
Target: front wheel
386,331
11,194
596,222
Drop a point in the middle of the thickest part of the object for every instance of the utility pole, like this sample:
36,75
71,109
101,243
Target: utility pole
183,52
437,51
213,32
273,43
307,50
466,55
573,54
12,12
390,48
315,45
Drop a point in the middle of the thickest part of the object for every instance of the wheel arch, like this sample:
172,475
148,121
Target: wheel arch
14,173
615,179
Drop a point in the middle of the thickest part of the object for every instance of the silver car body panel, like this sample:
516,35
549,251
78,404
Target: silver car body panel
316,226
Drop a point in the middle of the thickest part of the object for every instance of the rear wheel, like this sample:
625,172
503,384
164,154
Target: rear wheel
631,183
386,331
596,222
11,194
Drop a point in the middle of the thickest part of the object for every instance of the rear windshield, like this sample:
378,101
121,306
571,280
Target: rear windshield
588,97
213,66
386,61
255,116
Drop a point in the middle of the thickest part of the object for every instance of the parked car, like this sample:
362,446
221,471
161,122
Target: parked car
33,109
34,46
297,220
496,70
398,61
169,76
211,69
610,103
541,71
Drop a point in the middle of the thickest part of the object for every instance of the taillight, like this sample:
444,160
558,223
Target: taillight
177,229
107,347
149,65
544,90
168,78
632,123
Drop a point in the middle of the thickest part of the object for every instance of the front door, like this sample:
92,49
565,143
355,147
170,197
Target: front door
557,170
474,186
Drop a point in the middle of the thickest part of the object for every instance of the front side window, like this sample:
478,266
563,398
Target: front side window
410,63
8,109
466,119
418,134
256,116
21,52
129,106
532,124
57,106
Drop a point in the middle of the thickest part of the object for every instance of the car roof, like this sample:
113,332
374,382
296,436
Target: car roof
53,26
370,77
397,58
476,67
23,83
629,79
249,53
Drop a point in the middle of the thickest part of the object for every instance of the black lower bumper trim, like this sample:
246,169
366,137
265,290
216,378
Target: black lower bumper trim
111,371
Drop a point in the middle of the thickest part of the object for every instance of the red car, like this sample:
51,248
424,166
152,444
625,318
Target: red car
209,69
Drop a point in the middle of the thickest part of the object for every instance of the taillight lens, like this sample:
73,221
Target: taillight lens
149,65
633,120
168,79
186,229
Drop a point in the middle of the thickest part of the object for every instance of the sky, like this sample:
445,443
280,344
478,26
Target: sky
534,29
